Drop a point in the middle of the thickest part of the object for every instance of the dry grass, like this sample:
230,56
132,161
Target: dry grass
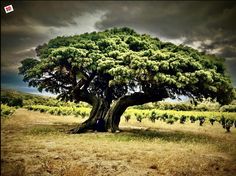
36,144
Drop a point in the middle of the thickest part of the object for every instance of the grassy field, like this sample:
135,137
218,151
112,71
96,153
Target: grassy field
34,143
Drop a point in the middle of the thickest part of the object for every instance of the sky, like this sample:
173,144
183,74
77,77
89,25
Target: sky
206,26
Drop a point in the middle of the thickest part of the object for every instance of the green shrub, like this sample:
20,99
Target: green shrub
212,120
176,118
228,124
201,120
228,108
127,117
192,119
153,116
12,101
139,118
182,119
170,121
6,110
164,117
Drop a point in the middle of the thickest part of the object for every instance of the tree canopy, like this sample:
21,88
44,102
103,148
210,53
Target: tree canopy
119,63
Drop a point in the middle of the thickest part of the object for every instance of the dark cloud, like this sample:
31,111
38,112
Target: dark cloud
207,26
173,19
34,23
50,13
228,52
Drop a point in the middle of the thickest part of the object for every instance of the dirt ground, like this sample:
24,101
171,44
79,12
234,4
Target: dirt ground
37,144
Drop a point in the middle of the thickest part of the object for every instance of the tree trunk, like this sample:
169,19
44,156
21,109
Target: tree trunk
112,114
99,111
118,107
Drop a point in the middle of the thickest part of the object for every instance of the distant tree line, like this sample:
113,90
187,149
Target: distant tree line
205,105
18,99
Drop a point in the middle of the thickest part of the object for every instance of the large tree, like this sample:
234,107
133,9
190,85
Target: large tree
118,68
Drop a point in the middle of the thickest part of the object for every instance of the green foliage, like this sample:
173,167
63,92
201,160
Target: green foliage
201,105
64,111
20,99
120,59
212,120
12,101
6,110
227,120
170,121
222,121
127,117
183,119
228,108
192,119
153,116
228,124
207,105
201,120
139,117
173,106
11,98
163,117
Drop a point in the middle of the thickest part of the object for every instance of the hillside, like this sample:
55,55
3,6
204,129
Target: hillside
16,98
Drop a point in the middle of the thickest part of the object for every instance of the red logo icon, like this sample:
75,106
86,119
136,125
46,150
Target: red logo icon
8,9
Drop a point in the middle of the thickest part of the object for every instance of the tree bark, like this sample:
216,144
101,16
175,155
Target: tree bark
118,108
99,111
111,114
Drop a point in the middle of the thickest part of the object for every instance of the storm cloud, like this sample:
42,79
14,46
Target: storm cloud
206,26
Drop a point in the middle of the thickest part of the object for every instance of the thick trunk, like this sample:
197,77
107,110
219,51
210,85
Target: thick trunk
112,114
118,108
99,111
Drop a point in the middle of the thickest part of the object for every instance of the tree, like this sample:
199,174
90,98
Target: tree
118,68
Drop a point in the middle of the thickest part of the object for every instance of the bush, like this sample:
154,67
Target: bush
182,119
222,121
12,101
127,117
212,120
164,117
201,120
170,121
6,110
228,124
176,119
173,106
139,118
153,116
228,108
192,119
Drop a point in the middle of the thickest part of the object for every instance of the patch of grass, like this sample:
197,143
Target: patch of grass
166,136
145,148
43,130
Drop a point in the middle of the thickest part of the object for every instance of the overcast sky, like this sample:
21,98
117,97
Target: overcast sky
208,26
